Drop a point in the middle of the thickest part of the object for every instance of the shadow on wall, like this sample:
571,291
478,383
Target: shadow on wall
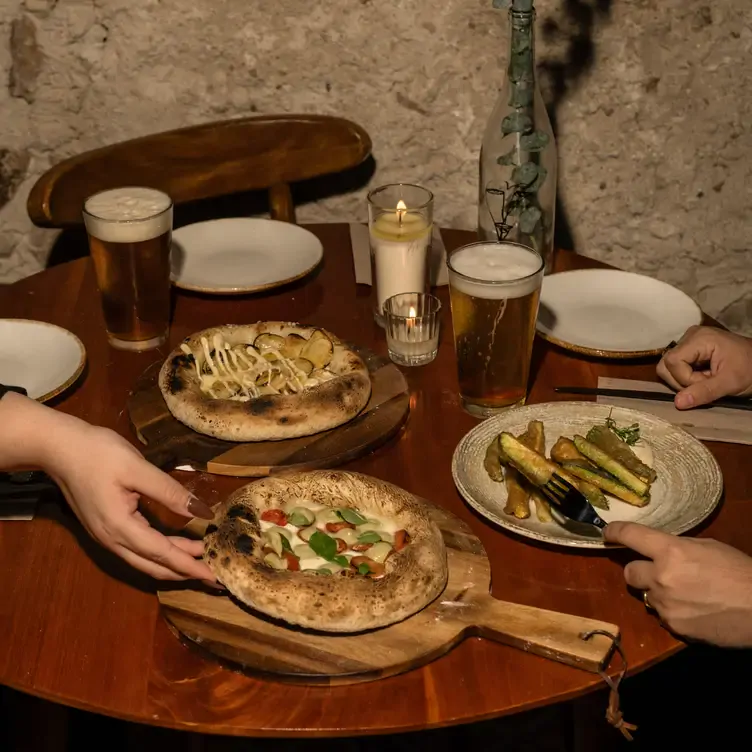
72,243
571,27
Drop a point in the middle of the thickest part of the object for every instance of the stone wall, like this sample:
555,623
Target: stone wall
653,103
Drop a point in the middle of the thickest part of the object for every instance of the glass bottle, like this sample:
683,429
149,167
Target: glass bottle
518,158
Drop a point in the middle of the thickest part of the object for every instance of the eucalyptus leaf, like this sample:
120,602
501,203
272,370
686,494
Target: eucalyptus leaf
525,174
542,173
521,67
529,220
520,96
323,545
510,158
370,537
364,568
535,141
351,516
516,122
520,42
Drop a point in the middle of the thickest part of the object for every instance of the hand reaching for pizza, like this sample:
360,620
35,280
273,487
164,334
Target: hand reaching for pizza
102,477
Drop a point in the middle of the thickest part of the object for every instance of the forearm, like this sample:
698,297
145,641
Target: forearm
28,432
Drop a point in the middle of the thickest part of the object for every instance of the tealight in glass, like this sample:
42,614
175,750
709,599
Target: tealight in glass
411,321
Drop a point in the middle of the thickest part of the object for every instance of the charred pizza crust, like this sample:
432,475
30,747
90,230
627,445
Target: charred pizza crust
270,417
413,577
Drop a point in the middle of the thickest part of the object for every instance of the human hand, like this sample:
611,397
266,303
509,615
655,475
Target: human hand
102,477
706,364
701,588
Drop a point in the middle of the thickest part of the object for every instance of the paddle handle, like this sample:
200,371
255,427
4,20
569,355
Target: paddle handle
550,634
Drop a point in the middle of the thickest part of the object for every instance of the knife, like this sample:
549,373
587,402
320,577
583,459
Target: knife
737,403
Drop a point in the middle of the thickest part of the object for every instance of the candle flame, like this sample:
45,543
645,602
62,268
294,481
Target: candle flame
401,209
412,312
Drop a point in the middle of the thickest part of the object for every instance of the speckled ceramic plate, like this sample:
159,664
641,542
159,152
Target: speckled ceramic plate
609,313
687,488
239,255
42,358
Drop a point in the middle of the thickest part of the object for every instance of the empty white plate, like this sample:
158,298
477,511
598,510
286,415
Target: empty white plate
613,314
242,255
42,358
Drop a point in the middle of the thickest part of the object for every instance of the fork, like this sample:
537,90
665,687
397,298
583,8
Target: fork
570,501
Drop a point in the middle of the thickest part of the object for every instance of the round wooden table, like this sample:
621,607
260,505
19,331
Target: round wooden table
82,629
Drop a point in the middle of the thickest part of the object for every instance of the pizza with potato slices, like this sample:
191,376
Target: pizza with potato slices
328,550
264,382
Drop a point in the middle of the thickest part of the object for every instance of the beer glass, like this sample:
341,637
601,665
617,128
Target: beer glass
130,233
494,292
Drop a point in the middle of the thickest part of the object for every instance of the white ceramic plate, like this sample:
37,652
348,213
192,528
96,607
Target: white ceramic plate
242,255
42,358
610,313
687,488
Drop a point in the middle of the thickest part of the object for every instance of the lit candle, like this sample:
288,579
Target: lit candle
411,324
412,338
400,242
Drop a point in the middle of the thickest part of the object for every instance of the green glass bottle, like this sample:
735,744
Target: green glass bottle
518,158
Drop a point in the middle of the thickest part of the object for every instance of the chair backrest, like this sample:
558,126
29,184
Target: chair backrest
205,161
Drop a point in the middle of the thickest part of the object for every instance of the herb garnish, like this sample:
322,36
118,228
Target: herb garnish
369,537
325,546
629,435
351,516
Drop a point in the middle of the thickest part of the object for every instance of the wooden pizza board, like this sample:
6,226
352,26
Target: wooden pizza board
257,643
170,444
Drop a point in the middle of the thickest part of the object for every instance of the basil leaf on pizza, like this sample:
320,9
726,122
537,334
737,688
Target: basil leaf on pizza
323,545
351,516
377,572
369,537
264,382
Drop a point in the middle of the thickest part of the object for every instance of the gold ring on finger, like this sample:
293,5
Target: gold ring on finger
648,605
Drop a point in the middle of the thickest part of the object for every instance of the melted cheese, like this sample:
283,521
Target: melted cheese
385,524
242,373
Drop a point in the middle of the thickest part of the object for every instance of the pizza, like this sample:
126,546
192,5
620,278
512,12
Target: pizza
264,382
328,550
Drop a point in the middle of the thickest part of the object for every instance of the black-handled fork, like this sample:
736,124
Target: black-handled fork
562,494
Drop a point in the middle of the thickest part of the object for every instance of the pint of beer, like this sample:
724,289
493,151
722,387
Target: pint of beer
130,232
494,289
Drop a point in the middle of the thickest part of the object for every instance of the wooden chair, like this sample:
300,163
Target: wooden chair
205,161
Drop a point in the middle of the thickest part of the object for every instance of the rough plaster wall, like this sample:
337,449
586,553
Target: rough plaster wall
655,144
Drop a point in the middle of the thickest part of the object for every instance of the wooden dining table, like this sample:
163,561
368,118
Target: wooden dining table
82,629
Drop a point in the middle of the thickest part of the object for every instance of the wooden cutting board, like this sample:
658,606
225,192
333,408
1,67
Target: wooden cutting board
171,444
465,609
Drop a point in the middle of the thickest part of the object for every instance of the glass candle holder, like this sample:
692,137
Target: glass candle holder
411,321
400,224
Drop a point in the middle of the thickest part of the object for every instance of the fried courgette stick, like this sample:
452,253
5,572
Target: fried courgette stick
565,451
538,444
518,496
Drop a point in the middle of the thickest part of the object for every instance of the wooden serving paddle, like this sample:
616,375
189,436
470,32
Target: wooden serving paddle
465,609
170,444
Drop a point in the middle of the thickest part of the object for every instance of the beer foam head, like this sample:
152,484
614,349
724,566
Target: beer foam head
128,215
495,270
